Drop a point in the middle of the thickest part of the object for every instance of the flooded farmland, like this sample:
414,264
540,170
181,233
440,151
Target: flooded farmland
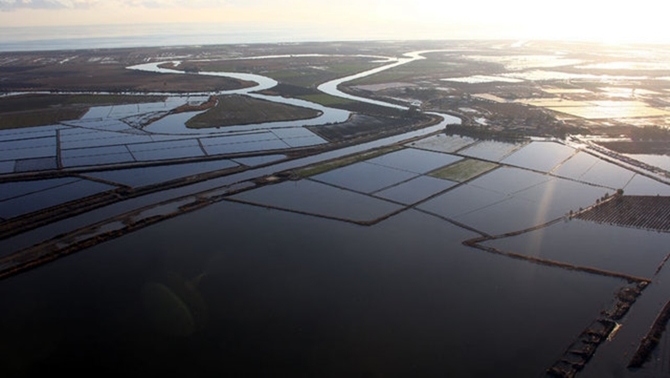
337,273
390,234
291,294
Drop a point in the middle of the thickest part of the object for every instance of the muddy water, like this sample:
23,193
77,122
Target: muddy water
240,290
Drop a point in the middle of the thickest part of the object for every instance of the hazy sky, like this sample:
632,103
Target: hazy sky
607,21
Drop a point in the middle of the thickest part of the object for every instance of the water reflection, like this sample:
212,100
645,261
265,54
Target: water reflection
310,297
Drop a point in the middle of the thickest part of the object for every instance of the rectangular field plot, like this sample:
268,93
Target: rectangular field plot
415,190
601,246
608,174
304,141
415,161
564,194
540,156
512,214
85,161
660,161
238,139
315,198
50,197
641,185
508,180
490,150
443,143
138,177
28,153
168,153
461,200
103,125
20,188
36,164
292,132
100,138
588,168
7,166
464,170
253,161
83,152
576,166
28,143
252,146
80,157
263,141
166,150
512,199
533,206
29,133
364,177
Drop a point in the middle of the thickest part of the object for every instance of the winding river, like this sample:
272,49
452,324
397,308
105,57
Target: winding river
328,115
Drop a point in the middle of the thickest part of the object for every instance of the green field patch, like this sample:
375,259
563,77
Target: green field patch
239,110
39,118
464,170
316,169
49,109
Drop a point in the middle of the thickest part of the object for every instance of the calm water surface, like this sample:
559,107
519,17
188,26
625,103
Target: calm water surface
241,290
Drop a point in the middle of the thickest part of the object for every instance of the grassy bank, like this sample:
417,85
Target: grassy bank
239,110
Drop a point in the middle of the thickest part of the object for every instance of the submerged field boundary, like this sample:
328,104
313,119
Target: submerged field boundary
603,328
651,339
68,243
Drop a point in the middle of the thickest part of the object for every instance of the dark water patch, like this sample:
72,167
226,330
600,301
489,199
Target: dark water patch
540,156
258,160
415,161
509,180
311,297
415,190
641,185
304,141
490,150
37,164
316,198
461,200
83,161
168,153
576,166
28,153
21,188
364,177
7,166
594,245
51,197
245,146
138,177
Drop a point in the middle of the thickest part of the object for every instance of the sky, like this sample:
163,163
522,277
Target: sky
593,20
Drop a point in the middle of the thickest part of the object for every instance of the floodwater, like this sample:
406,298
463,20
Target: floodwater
589,244
661,161
261,292
279,280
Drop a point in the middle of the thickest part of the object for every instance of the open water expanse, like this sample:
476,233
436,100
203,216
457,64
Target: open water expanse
361,270
176,34
242,290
